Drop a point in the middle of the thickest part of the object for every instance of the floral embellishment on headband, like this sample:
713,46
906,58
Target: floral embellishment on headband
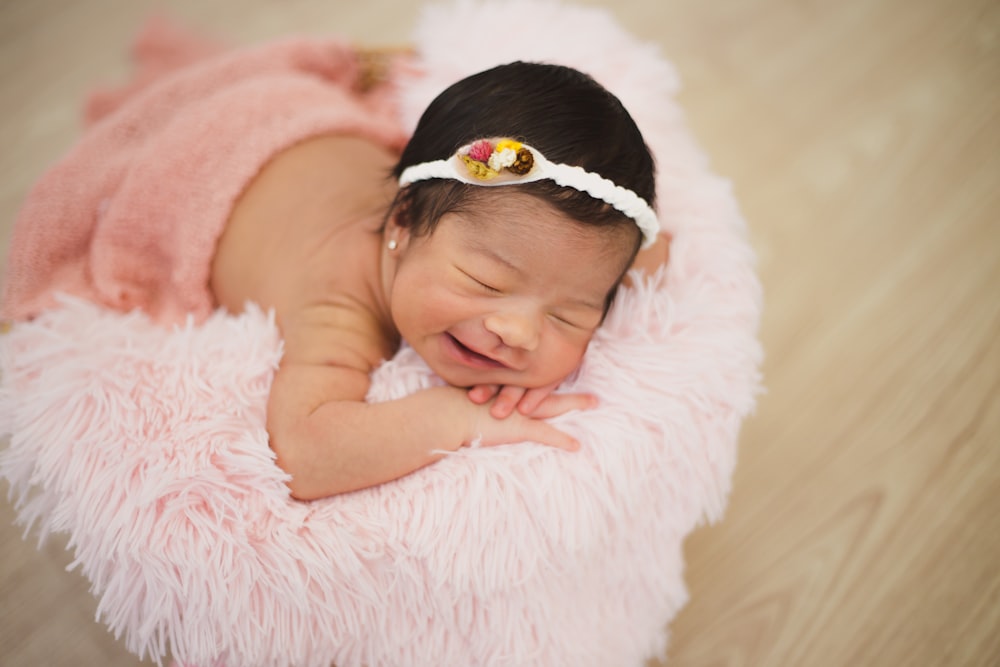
499,161
486,160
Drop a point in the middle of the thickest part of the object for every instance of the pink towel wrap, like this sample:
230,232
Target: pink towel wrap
130,217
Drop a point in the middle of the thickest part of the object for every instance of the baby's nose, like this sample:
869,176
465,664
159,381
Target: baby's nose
516,329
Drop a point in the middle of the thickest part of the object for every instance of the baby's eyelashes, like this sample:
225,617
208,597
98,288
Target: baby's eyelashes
489,288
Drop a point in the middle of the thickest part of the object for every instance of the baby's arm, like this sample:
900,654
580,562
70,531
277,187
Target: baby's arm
331,441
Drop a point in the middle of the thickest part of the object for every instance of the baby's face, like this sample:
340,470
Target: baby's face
509,296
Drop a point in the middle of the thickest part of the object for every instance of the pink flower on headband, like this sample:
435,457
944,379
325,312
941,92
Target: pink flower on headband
506,161
481,151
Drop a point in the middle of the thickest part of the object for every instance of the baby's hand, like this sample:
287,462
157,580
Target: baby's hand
509,397
516,426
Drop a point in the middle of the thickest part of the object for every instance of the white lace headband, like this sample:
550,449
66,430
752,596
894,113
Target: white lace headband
508,162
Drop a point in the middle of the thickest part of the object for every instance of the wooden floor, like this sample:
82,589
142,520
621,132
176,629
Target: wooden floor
863,140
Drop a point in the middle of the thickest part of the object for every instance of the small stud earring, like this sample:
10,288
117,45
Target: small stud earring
393,244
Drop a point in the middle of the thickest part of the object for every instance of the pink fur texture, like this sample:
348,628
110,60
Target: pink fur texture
147,446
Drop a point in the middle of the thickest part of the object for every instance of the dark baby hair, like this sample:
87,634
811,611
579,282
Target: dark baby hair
563,113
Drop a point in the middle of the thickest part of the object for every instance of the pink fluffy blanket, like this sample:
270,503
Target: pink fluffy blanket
147,446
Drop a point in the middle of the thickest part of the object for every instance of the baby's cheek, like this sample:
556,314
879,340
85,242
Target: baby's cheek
427,304
564,358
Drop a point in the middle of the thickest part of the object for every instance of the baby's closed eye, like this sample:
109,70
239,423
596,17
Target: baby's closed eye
483,282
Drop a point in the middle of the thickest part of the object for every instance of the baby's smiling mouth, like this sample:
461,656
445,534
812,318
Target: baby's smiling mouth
472,356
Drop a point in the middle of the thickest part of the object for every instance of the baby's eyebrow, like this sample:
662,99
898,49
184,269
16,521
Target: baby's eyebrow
483,249
587,303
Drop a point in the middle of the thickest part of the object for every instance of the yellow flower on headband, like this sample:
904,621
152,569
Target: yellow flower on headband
508,143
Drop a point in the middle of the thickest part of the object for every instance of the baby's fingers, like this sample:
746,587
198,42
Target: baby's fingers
506,401
558,404
550,435
488,430
482,393
534,397
543,433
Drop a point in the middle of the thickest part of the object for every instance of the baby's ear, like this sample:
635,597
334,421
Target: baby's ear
396,237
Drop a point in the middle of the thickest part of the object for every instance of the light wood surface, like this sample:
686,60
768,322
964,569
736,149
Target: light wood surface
863,141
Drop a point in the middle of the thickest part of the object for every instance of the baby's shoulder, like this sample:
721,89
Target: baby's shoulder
338,330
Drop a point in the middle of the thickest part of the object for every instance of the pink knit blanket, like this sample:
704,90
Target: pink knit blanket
130,217
147,444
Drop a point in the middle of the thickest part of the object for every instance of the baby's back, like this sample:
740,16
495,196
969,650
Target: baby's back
304,240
